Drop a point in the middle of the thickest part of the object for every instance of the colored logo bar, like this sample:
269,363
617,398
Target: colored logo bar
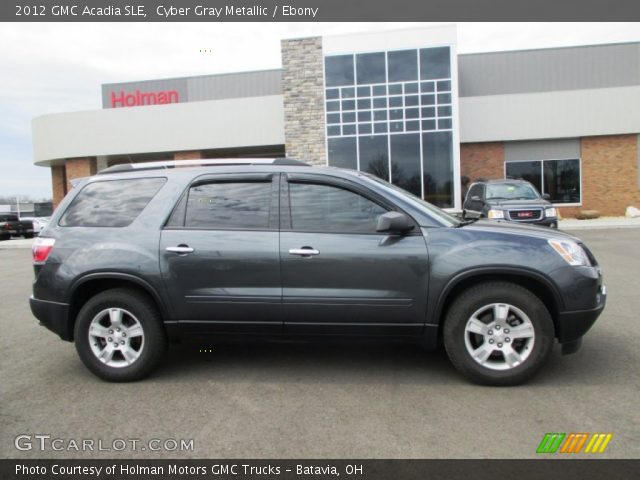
574,443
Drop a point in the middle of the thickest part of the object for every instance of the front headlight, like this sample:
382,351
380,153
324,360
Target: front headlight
495,214
550,212
571,252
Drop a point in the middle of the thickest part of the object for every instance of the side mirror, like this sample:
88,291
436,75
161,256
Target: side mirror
546,196
394,222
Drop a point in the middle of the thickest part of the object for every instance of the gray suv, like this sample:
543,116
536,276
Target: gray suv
142,254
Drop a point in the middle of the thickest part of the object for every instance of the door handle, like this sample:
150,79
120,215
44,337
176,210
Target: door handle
304,251
180,249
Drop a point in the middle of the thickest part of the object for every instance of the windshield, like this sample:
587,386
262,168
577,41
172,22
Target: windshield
511,191
441,215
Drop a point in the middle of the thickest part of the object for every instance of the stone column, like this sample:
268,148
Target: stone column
303,91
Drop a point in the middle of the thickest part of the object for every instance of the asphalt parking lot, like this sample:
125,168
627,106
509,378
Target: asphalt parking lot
321,401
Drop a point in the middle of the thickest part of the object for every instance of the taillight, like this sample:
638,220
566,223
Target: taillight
41,249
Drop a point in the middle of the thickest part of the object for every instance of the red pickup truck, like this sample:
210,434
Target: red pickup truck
11,226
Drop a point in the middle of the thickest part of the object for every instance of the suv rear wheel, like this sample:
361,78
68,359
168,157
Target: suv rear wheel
119,335
498,333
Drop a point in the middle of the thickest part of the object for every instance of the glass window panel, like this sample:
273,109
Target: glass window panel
379,90
437,150
412,113
411,100
428,99
405,162
413,126
349,117
333,118
395,89
380,102
332,93
562,180
529,171
333,131
434,63
379,115
395,101
348,105
333,106
349,129
444,86
342,152
112,203
370,68
348,92
396,114
426,87
444,123
364,128
222,206
364,116
444,98
374,155
338,70
444,111
396,127
364,103
428,124
428,112
411,88
402,65
325,208
380,128
364,91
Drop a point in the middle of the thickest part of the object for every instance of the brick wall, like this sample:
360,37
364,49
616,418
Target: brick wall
303,90
78,168
194,155
609,174
482,160
58,184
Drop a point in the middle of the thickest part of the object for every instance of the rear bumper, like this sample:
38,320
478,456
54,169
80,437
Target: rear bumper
52,315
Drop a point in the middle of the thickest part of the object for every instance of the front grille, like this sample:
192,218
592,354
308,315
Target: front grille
525,215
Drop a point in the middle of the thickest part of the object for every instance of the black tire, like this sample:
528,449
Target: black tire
28,235
151,348
535,352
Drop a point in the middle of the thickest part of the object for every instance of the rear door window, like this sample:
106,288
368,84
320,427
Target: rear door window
244,205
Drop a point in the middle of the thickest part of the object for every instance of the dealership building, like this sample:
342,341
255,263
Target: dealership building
401,104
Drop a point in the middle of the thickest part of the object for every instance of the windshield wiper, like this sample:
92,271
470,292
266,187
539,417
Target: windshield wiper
467,222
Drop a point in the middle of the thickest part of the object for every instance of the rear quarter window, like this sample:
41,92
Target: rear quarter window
111,203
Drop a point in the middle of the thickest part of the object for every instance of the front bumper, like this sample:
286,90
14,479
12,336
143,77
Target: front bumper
573,325
53,315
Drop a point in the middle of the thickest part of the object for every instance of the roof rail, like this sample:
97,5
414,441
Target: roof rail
205,162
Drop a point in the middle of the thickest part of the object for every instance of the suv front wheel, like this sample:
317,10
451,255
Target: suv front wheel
119,335
498,333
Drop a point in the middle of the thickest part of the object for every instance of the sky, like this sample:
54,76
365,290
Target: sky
60,67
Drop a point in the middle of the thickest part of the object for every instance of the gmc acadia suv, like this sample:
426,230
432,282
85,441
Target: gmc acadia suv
141,254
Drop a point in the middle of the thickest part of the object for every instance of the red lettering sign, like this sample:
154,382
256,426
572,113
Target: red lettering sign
138,98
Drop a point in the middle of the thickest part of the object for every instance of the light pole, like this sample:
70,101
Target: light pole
18,206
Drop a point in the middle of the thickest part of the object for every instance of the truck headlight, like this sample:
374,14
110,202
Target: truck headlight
571,252
550,212
495,214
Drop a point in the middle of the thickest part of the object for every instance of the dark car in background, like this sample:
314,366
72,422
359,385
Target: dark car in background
12,226
140,254
509,200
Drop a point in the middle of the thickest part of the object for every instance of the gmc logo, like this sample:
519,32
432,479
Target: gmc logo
525,214
138,98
